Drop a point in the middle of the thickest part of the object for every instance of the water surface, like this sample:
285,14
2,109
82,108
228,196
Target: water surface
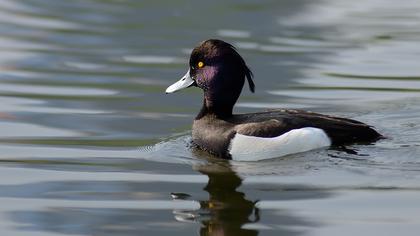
91,145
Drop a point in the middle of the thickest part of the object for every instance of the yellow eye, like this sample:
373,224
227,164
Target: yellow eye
200,64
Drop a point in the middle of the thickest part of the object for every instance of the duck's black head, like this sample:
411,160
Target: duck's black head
217,68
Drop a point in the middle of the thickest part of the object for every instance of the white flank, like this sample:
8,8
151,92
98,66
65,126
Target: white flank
250,148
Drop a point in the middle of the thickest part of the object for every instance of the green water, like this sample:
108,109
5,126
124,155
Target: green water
91,145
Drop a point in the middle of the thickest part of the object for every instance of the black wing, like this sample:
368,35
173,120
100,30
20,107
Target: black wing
276,122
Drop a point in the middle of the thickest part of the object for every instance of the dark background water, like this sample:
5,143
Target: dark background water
91,145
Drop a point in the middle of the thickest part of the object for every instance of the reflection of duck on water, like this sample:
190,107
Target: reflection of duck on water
227,210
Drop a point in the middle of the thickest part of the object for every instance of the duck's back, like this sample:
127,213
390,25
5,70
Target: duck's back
277,122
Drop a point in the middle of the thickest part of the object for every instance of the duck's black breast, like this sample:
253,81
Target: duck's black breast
214,135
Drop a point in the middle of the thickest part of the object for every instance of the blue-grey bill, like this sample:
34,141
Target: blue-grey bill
185,82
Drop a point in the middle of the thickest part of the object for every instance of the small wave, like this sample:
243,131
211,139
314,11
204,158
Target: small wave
148,59
230,33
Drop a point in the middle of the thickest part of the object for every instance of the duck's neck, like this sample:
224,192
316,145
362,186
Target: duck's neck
221,93
221,108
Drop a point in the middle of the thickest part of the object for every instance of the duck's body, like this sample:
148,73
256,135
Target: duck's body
216,135
219,70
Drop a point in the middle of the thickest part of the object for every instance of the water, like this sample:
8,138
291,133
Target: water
91,145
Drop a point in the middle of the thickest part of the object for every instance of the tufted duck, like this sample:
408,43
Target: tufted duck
217,68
